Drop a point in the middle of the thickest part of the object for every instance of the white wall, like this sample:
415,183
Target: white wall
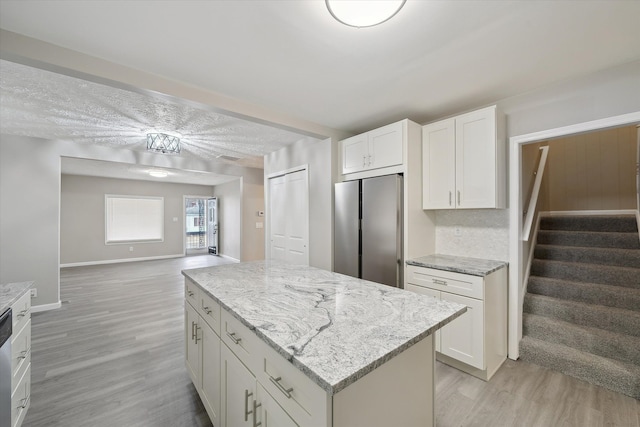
229,208
317,155
82,218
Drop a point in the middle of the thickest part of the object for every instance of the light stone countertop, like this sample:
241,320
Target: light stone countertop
334,328
456,264
10,292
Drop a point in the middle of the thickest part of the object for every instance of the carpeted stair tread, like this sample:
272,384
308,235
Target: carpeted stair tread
590,293
597,239
603,256
613,374
625,348
604,274
596,316
607,223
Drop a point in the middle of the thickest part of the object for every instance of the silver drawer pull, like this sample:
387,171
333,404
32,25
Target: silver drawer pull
246,404
276,382
24,353
193,330
440,282
189,292
197,339
207,310
25,402
23,312
232,337
256,405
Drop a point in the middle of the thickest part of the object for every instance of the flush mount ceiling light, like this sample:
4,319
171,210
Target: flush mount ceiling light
158,173
364,13
163,143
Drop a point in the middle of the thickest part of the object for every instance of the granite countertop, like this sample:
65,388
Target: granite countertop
10,292
332,327
473,266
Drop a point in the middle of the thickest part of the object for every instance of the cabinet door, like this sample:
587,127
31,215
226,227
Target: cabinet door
438,165
430,293
476,159
270,413
355,154
238,391
192,349
385,146
210,392
463,338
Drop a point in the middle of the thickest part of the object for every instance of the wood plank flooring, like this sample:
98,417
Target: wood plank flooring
113,356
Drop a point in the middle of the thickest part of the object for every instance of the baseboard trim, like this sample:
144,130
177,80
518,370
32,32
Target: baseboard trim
589,212
45,307
117,261
229,258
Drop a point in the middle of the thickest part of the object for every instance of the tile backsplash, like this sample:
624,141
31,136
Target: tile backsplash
483,233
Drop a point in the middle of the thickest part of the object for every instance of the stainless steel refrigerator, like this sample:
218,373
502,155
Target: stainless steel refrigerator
368,229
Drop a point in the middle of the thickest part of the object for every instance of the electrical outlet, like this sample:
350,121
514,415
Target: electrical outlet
457,231
130,248
34,293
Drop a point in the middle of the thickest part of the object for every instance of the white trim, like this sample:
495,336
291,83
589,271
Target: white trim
117,261
590,213
515,210
533,202
45,307
229,258
288,171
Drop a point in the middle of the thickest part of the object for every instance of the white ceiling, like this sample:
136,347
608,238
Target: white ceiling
433,59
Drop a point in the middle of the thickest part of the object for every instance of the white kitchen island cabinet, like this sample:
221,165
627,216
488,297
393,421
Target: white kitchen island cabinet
299,346
464,162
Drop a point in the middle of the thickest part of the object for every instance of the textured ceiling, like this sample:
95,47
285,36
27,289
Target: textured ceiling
43,104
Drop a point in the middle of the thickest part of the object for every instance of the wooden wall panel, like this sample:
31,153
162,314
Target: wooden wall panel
594,171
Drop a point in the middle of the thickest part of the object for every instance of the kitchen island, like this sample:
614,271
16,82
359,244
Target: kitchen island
268,343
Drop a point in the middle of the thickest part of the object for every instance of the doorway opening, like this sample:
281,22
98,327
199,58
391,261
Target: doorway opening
201,225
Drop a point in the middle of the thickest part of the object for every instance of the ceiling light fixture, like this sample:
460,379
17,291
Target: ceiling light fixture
158,173
163,143
364,13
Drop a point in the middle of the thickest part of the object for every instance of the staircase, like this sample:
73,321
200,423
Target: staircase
582,307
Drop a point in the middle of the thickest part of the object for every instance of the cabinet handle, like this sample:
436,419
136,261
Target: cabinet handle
369,159
246,404
23,312
197,327
256,405
364,161
449,198
458,197
232,337
25,402
440,282
193,329
285,391
207,310
189,292
24,354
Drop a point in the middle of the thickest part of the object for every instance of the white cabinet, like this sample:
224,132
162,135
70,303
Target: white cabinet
21,359
475,342
379,148
463,162
239,401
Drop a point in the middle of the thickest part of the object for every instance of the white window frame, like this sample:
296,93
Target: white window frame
107,221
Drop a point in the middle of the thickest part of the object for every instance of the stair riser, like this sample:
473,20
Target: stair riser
625,348
619,276
605,224
597,317
596,240
613,257
602,295
616,380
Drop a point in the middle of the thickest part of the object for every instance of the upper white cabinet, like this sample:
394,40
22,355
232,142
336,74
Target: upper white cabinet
379,148
463,162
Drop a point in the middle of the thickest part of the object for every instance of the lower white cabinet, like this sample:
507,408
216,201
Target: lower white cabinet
475,342
21,359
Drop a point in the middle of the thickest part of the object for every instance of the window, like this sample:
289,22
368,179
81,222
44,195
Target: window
133,219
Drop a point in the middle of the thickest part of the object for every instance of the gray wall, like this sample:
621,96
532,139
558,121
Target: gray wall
318,156
82,218
230,197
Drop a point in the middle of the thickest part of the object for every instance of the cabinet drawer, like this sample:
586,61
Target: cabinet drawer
191,292
209,309
20,353
298,395
243,342
21,311
455,283
21,399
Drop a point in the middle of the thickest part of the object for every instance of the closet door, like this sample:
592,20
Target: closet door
289,217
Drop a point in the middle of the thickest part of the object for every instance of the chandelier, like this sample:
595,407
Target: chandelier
163,143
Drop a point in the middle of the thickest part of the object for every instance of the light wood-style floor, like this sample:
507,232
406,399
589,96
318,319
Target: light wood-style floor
113,356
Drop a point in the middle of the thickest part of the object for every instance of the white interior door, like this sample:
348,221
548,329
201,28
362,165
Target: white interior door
289,217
